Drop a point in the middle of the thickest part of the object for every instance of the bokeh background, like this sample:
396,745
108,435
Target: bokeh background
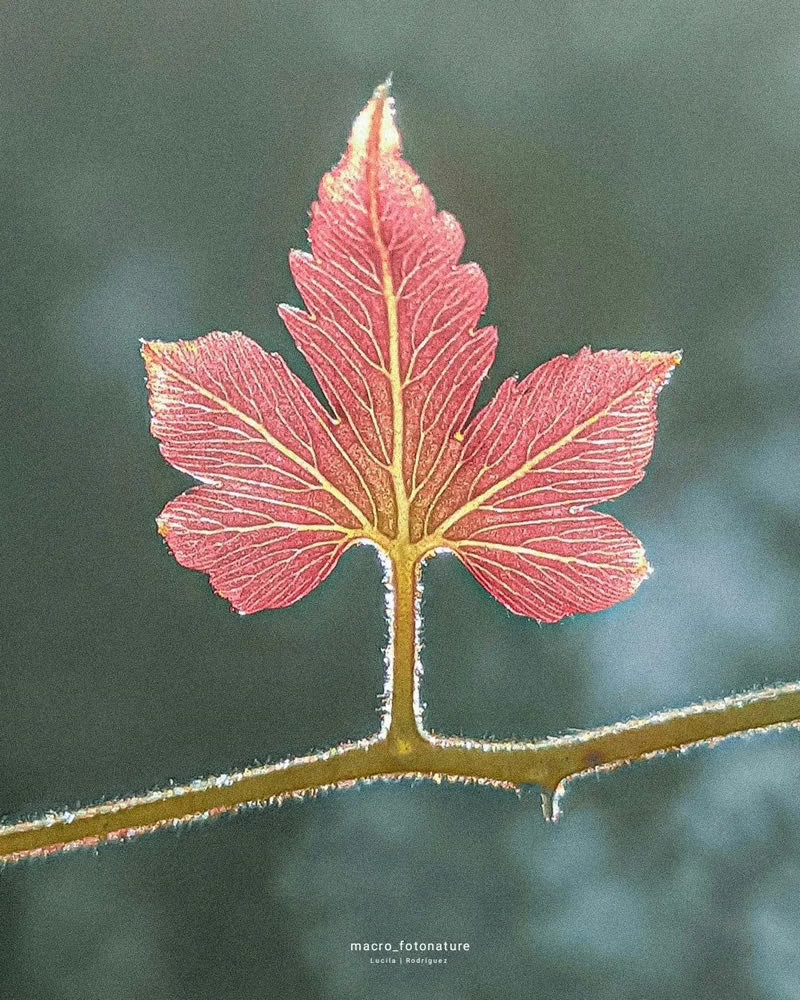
627,175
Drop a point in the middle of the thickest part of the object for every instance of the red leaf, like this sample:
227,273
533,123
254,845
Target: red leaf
390,328
389,333
270,524
575,432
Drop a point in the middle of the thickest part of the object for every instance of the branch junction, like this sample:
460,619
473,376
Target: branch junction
403,749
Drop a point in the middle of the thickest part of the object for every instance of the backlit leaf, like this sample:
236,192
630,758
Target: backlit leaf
390,330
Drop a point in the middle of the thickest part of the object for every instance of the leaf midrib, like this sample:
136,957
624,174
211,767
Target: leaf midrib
402,532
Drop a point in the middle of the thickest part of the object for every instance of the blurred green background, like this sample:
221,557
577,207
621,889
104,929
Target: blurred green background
627,175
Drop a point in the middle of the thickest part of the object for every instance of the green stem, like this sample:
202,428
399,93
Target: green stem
404,734
403,749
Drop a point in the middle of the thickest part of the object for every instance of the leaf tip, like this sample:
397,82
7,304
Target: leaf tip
154,351
380,135
642,571
669,358
383,89
149,349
